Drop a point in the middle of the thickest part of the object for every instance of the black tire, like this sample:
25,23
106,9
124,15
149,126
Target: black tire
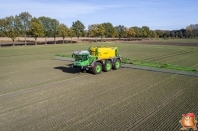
117,64
97,68
107,66
83,70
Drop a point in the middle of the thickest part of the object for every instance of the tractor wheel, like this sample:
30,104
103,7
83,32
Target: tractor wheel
117,64
97,68
83,70
107,66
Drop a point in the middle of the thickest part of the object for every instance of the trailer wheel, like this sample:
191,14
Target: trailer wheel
117,64
107,66
97,68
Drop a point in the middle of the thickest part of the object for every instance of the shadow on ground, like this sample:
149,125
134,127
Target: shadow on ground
70,70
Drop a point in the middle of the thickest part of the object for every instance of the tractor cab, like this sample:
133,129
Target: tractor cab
81,58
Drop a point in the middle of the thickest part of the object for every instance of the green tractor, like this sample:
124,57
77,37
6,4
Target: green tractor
97,59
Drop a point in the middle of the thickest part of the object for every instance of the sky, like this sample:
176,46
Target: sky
156,14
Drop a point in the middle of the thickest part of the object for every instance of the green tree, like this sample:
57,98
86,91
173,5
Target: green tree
63,31
109,29
100,30
36,29
166,34
78,28
189,31
92,29
71,33
180,34
86,33
114,33
11,27
176,34
2,22
54,28
121,30
25,18
46,23
172,34
160,33
96,30
138,31
153,34
130,32
145,31
194,33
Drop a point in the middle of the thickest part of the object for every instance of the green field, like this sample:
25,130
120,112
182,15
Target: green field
38,93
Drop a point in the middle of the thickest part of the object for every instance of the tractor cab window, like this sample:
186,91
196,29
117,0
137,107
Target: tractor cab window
81,57
84,57
77,58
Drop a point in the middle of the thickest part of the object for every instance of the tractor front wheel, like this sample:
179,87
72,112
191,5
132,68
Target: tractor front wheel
97,68
83,70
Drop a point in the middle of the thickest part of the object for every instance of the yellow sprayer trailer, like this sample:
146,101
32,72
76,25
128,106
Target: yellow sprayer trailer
97,58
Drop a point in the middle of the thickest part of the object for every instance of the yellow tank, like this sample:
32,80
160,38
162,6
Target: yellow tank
104,52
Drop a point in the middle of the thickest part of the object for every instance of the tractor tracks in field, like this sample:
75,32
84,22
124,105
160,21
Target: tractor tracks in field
123,100
163,104
170,55
153,112
26,89
36,53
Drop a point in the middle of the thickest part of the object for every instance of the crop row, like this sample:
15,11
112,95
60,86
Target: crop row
168,117
42,94
128,111
68,100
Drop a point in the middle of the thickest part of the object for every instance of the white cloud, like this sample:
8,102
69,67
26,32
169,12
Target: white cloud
54,9
37,9
129,13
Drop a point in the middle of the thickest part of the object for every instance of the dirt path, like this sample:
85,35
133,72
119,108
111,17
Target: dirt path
4,42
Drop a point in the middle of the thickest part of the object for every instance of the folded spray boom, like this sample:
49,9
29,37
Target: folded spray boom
156,64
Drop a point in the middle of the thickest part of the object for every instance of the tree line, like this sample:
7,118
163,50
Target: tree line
24,25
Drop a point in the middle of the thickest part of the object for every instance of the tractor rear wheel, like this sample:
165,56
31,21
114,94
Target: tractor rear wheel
97,68
117,64
107,66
